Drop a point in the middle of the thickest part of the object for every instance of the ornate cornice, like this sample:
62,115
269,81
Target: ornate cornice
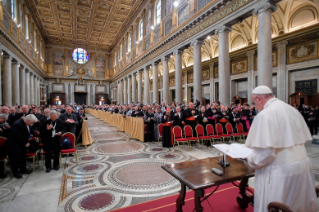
264,7
197,42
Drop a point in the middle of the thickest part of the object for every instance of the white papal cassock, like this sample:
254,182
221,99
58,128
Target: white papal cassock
283,171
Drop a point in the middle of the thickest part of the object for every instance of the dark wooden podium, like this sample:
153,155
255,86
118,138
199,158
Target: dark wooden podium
197,175
167,138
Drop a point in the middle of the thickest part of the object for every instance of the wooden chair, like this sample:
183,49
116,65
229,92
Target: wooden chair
200,134
210,133
178,137
3,141
160,131
280,207
189,134
71,136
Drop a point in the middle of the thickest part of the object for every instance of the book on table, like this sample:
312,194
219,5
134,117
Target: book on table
234,150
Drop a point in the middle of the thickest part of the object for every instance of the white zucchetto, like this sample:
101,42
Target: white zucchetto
262,90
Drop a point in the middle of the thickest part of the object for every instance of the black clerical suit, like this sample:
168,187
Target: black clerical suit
178,119
312,121
68,127
149,121
80,118
188,113
17,139
137,114
52,144
167,133
202,119
11,119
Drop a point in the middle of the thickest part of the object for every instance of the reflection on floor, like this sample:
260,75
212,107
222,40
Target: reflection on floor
113,172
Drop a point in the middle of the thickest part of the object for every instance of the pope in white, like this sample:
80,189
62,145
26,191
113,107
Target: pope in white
283,171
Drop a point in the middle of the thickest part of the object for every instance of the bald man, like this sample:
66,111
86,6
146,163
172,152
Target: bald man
283,171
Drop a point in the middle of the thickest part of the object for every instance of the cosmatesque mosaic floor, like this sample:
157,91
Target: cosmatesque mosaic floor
114,172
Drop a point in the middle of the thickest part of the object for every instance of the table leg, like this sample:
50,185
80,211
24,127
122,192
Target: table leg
198,194
180,200
244,199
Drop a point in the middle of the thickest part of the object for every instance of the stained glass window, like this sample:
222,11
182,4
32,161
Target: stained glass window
80,55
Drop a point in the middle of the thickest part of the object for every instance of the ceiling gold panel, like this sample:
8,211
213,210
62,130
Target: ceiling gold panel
86,22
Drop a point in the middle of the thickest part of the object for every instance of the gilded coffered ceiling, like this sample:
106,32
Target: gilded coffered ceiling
94,23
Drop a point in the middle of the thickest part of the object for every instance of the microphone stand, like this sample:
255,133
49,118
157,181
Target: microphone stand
224,163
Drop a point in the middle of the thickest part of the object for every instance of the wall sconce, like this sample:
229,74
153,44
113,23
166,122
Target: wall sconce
152,27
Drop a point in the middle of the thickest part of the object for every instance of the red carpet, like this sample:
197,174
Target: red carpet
223,200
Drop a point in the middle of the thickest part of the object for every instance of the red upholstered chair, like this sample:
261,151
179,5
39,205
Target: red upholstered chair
240,130
160,131
38,135
178,137
229,130
200,134
34,157
210,133
3,141
71,136
189,134
219,131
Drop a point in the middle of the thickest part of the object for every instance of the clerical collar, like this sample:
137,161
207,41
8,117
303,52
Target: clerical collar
269,102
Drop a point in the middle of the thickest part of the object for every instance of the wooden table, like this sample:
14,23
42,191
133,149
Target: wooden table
197,175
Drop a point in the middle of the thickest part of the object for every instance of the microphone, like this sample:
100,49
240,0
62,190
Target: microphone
224,163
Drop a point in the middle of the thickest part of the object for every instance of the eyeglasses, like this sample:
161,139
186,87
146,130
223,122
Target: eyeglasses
252,102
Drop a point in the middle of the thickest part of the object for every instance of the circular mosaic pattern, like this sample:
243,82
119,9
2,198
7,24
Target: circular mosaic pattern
96,201
89,168
119,148
86,168
5,192
157,149
141,175
171,156
88,158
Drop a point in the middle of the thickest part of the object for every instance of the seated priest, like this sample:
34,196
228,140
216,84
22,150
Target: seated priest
52,134
190,115
179,119
283,170
69,121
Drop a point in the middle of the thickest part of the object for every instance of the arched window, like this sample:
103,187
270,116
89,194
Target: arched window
14,10
141,30
26,27
129,43
158,12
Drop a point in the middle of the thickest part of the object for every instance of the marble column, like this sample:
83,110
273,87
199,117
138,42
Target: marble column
72,93
38,90
139,86
93,94
211,82
15,83
197,69
178,76
165,80
7,77
155,83
250,73
31,88
134,87
282,84
118,91
88,99
264,60
224,64
35,89
125,91
28,86
146,86
129,89
22,86
66,90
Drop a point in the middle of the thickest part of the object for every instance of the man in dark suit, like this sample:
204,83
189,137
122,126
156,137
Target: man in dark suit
179,118
66,118
52,134
17,142
25,112
80,117
4,130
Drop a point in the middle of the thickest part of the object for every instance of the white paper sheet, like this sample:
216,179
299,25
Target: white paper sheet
234,150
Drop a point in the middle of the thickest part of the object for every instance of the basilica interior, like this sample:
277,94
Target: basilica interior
96,52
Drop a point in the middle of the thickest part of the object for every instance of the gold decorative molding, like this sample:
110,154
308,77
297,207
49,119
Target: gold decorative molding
303,52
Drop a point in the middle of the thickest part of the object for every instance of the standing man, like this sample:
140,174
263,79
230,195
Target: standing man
283,171
17,142
69,121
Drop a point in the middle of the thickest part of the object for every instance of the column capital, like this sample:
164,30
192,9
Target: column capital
133,74
165,58
196,42
178,51
7,56
282,44
264,7
38,78
223,28
155,63
27,70
31,74
250,53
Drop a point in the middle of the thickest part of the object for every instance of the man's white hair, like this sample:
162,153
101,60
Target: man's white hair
53,112
31,117
47,109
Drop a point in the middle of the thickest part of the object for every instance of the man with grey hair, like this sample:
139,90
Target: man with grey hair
69,120
17,142
283,170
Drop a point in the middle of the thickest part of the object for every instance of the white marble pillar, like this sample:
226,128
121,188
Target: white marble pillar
28,88
165,80
250,73
35,89
129,89
38,90
72,93
7,78
178,76
224,64
146,86
31,88
134,87
118,92
15,83
88,99
139,86
125,91
93,94
211,82
155,83
22,86
264,62
282,85
197,69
